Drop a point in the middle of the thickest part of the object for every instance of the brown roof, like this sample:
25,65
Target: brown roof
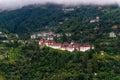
49,41
87,45
65,44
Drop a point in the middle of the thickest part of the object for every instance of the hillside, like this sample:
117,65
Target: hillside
28,62
29,18
21,58
36,18
79,21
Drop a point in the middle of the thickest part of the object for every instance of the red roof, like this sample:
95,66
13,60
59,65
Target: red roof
43,40
65,44
49,41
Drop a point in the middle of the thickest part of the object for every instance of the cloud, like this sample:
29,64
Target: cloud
14,4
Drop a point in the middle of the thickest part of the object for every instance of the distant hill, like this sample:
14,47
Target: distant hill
36,18
30,18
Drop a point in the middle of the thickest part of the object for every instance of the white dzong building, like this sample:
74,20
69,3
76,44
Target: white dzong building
65,46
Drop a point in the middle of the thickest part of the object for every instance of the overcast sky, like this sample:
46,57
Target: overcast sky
14,4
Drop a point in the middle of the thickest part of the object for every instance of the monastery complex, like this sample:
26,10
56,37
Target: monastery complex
65,46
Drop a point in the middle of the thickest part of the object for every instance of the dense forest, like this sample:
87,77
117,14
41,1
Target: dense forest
28,62
36,18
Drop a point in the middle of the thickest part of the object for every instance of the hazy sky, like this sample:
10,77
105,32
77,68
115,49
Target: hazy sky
13,4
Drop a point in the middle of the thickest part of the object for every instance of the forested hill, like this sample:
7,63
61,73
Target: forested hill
28,62
32,18
29,18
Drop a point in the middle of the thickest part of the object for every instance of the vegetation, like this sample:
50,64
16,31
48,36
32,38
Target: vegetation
33,19
28,62
49,17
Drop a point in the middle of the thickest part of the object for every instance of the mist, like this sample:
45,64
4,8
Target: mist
15,4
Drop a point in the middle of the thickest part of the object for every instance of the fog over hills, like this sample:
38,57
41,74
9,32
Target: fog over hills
14,4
